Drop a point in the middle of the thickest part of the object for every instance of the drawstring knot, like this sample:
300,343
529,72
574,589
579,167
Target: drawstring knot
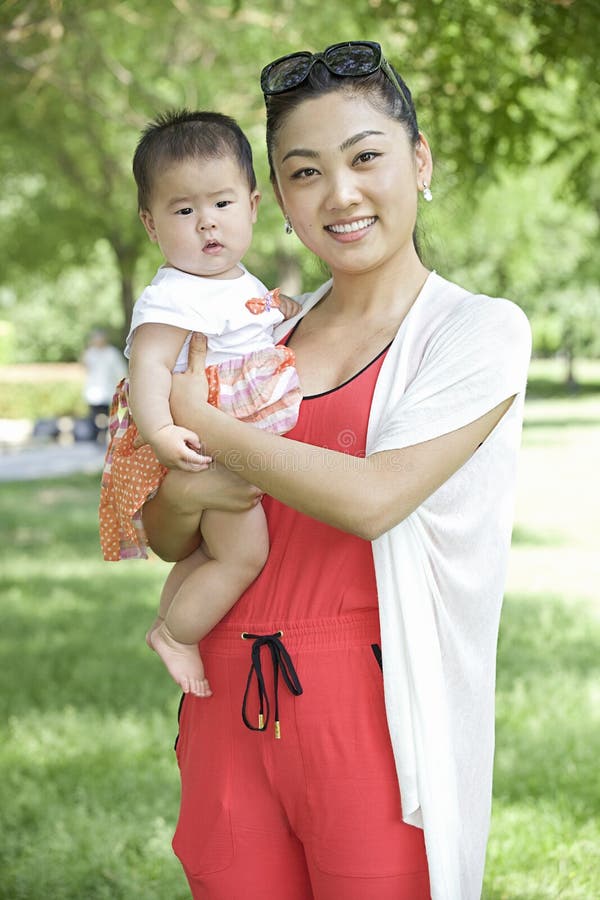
282,661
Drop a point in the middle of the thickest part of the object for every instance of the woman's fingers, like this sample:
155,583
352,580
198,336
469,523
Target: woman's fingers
197,353
215,488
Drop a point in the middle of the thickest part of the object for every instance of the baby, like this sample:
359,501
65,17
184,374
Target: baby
198,201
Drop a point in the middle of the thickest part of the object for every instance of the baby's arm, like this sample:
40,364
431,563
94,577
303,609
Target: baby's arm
153,354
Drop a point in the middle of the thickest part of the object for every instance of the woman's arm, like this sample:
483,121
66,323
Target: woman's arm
153,355
364,496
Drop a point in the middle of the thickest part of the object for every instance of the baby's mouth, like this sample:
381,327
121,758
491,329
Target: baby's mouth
212,247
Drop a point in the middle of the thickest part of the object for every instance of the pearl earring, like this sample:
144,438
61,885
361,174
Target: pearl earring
288,226
427,195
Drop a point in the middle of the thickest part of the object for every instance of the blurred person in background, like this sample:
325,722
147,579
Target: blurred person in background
104,366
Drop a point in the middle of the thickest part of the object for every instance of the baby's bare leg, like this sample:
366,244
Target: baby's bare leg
237,544
175,579
172,518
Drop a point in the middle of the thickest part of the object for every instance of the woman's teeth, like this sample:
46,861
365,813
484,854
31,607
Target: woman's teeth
353,226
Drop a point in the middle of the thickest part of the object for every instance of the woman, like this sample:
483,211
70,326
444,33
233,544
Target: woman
389,508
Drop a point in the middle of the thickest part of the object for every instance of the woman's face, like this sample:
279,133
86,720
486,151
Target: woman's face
347,177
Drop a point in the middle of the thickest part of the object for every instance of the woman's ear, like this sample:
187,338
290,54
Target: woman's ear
148,223
424,161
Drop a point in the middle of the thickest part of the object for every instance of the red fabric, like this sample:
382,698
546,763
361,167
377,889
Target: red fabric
315,570
314,815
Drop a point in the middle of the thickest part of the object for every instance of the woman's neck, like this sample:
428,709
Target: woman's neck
388,290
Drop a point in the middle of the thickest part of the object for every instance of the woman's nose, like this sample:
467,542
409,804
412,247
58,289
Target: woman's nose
342,191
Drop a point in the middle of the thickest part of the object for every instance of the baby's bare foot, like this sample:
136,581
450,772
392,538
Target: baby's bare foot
156,624
182,661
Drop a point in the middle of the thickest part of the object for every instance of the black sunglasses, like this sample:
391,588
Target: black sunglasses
348,60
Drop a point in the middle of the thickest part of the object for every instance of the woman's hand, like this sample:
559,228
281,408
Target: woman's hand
218,488
189,389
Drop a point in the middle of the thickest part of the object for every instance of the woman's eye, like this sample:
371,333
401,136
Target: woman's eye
186,211
367,156
304,173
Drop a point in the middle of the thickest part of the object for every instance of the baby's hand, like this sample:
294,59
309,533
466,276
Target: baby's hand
288,307
179,448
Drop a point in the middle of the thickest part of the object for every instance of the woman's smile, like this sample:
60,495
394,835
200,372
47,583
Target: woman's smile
354,230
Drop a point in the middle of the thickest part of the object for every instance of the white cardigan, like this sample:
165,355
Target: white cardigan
440,572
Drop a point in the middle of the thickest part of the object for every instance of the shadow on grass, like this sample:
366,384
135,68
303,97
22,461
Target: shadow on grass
79,644
561,422
73,626
89,785
549,388
548,740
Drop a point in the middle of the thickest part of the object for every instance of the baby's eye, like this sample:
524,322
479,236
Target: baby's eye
186,211
221,204
304,173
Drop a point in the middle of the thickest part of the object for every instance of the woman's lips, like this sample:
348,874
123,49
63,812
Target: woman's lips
346,232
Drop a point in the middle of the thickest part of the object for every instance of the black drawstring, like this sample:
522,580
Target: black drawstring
281,660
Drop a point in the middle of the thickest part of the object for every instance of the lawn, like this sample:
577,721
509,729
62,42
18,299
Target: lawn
89,784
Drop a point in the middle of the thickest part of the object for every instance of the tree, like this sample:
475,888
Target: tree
498,84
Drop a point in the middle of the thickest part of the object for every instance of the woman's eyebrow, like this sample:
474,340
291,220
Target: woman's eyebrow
300,151
349,142
345,145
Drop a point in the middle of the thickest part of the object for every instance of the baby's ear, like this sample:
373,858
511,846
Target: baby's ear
148,223
254,201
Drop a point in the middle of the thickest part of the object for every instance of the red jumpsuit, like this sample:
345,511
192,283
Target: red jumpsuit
314,814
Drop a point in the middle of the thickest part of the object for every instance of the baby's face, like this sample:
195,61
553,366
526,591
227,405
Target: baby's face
201,216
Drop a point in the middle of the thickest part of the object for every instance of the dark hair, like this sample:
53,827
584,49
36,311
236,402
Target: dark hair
375,88
180,134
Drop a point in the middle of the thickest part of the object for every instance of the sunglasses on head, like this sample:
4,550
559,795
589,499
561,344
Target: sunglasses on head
351,59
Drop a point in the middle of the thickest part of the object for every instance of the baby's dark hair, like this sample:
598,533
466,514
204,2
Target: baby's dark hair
177,135
375,88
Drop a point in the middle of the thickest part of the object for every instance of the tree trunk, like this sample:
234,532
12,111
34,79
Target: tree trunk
126,258
126,299
571,381
569,351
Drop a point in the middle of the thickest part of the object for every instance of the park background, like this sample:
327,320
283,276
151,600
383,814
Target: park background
507,94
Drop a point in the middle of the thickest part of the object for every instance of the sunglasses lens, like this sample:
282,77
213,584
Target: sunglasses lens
352,59
286,74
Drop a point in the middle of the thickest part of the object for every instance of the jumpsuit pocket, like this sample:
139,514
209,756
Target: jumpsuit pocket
178,722
354,809
203,840
377,654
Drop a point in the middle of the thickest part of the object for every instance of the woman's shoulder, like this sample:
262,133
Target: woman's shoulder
459,309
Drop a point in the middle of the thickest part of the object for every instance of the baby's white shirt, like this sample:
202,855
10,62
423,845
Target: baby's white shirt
216,307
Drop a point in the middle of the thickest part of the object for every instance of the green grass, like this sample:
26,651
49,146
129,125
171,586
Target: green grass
545,826
89,784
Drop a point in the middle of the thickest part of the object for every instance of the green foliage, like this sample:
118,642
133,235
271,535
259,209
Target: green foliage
524,240
41,399
498,85
52,319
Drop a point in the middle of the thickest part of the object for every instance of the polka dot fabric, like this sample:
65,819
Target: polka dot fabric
130,478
